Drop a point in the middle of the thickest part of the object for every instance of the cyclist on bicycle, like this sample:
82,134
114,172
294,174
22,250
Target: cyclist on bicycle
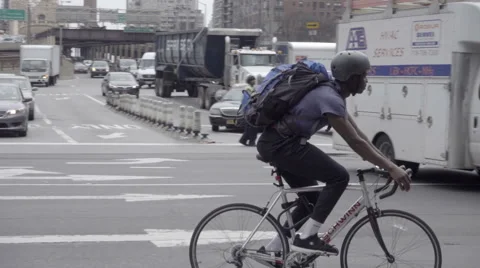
303,164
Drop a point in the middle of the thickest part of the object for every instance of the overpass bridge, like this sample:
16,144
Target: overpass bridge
96,42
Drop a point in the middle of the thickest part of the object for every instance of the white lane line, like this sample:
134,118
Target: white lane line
94,99
153,167
64,135
125,197
192,184
43,116
15,167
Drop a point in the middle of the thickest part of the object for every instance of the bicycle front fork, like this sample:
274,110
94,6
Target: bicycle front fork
372,216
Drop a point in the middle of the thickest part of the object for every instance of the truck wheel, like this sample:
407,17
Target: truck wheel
192,92
385,146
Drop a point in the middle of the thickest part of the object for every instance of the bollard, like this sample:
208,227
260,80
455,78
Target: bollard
116,100
153,110
181,125
141,114
169,115
137,107
165,114
189,121
197,124
159,112
130,104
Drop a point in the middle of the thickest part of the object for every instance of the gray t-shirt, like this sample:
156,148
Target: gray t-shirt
309,115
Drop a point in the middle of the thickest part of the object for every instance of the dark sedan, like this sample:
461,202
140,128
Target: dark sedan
224,113
99,68
13,109
121,83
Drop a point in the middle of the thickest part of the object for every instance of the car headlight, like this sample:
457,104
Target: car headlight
45,76
93,69
215,111
110,85
18,111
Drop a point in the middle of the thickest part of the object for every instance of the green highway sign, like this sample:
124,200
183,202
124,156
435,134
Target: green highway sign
138,30
12,14
121,18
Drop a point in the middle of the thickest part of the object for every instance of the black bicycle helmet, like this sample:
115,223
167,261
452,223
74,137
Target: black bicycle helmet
250,78
348,63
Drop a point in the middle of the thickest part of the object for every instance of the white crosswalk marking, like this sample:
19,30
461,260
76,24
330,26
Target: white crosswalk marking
58,94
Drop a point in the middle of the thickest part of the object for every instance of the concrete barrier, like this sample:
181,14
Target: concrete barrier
184,120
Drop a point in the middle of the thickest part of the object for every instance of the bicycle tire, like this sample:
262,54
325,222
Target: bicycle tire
229,207
388,213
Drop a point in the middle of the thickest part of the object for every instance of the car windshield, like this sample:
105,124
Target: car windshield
78,64
257,60
8,92
121,77
235,94
147,64
100,64
34,66
21,82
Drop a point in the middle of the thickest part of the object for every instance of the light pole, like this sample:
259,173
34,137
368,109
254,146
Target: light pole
205,13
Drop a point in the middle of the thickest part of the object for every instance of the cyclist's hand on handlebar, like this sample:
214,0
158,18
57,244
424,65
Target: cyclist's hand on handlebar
402,177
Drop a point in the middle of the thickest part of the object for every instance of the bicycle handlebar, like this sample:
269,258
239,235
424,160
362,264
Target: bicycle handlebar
382,173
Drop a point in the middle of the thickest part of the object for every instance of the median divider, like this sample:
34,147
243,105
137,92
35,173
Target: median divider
183,122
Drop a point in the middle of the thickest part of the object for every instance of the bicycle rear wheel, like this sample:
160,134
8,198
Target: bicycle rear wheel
229,240
361,238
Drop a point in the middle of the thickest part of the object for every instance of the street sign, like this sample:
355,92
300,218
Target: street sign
12,14
122,18
313,25
138,30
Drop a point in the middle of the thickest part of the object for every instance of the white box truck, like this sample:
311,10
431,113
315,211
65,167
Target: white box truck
291,52
41,63
422,101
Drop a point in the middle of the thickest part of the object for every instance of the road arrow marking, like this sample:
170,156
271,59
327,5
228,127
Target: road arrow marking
133,161
126,197
115,135
160,238
84,177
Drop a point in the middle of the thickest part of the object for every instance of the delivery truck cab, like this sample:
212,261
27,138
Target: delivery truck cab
422,101
40,63
146,70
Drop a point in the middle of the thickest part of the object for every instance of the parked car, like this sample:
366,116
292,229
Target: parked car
121,83
80,68
224,113
27,90
99,68
13,109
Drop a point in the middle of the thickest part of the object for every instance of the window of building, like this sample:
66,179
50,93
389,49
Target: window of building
314,6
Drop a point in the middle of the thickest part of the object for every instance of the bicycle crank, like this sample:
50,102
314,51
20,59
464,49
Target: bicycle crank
300,260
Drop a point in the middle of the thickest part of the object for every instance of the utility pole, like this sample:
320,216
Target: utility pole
29,23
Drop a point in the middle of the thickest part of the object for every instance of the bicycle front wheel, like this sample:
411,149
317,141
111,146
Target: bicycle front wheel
218,238
419,246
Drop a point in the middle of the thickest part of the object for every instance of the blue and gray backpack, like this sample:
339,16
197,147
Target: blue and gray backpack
283,87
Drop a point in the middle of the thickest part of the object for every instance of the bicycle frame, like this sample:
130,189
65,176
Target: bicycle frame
362,203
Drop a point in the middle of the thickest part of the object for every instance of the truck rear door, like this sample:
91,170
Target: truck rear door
474,124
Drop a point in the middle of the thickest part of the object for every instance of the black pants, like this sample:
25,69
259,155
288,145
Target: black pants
304,165
249,134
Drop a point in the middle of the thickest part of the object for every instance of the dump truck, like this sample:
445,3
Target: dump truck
205,61
422,101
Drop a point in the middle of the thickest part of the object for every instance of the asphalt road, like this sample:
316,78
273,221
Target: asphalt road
72,198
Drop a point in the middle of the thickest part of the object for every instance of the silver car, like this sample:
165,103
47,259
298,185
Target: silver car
13,109
26,88
224,113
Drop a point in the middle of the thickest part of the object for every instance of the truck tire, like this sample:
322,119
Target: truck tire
385,146
192,91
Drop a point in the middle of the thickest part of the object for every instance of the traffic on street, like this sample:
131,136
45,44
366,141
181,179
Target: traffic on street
319,135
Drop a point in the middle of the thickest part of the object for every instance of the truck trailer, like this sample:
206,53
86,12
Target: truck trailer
204,61
422,101
291,52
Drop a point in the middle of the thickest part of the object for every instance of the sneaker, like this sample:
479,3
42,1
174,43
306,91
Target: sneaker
277,264
312,244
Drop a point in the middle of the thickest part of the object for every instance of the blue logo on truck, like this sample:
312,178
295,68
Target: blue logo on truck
357,39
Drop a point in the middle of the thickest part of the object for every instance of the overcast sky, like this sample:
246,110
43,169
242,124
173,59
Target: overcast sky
122,4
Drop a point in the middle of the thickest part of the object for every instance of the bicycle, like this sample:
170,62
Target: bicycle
238,253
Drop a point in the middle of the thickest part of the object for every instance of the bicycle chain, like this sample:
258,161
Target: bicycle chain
299,260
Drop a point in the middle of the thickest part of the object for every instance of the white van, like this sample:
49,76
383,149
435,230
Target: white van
422,102
146,70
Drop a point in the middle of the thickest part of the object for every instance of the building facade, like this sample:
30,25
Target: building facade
222,14
166,15
288,20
